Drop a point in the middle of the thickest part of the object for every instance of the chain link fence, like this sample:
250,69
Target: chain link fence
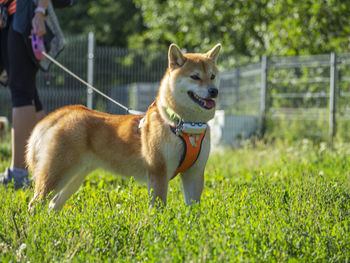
310,95
56,88
240,101
130,77
308,92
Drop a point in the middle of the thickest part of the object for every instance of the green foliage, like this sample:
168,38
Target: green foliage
244,27
112,21
264,204
197,25
5,149
316,130
308,27
250,28
293,130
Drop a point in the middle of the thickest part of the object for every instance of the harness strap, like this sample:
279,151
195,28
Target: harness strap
192,142
192,148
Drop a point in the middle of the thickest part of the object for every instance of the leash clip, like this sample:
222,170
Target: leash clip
179,127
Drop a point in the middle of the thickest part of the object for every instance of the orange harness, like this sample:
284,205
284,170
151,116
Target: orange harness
192,148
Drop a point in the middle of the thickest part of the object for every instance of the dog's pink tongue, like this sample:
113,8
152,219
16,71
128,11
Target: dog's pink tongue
209,104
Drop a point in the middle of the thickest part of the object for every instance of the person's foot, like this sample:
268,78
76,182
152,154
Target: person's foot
18,177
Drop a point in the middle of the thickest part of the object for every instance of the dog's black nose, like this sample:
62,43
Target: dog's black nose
213,92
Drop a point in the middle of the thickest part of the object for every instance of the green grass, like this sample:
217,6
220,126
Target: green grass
260,204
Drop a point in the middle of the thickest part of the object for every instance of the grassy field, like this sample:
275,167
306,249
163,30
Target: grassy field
260,204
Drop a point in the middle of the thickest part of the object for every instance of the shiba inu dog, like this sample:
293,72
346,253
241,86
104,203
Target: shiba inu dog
172,137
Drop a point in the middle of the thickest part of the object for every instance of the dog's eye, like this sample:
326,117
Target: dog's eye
195,77
212,76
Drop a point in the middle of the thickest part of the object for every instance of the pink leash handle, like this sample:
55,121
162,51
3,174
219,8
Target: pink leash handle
38,46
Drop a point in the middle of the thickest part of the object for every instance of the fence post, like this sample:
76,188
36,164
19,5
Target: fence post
237,75
90,68
332,97
263,94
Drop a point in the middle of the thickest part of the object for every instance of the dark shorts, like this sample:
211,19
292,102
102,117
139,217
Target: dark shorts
20,67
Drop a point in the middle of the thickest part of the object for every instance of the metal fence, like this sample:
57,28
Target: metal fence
312,89
117,72
240,99
304,95
307,89
56,88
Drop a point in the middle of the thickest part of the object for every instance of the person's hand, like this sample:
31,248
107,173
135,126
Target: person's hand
38,24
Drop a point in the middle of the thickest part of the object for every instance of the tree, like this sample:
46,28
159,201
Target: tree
112,21
308,27
198,24
246,27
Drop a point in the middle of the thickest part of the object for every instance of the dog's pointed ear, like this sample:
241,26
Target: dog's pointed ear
175,57
214,52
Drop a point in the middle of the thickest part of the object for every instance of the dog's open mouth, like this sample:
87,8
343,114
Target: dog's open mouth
204,103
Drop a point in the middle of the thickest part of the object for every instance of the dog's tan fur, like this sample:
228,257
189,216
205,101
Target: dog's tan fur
72,141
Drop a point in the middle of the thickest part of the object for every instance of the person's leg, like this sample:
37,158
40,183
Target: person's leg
25,104
22,74
23,121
